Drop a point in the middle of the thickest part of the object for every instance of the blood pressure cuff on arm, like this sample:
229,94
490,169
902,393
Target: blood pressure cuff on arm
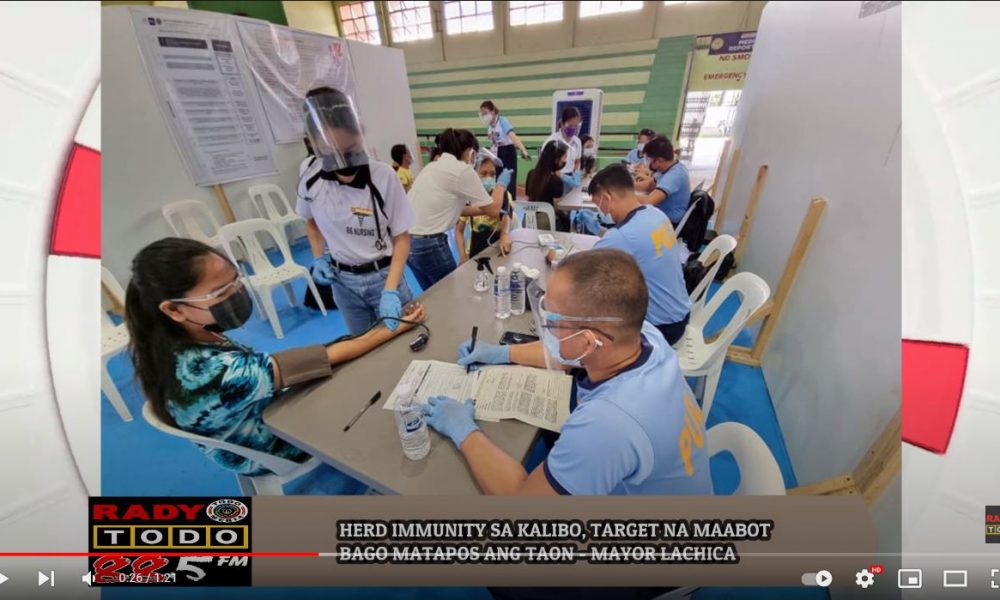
299,365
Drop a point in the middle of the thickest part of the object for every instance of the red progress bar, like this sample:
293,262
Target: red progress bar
129,553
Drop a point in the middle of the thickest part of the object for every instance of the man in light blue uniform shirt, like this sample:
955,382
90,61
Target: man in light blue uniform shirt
669,186
636,427
636,155
646,234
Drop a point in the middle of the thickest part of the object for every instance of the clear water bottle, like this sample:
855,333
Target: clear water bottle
517,290
501,293
413,435
482,282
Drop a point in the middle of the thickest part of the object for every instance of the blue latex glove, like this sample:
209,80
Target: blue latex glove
588,219
504,178
322,270
450,417
572,180
390,307
484,353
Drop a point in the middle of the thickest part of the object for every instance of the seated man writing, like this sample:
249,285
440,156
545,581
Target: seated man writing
646,234
636,428
668,187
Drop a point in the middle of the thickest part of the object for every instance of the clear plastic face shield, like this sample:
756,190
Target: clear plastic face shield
334,131
484,155
558,331
230,306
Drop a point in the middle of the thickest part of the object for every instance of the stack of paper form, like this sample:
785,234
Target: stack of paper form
538,397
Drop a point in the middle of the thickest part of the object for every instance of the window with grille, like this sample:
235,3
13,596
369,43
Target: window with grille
594,9
467,16
360,22
409,21
533,13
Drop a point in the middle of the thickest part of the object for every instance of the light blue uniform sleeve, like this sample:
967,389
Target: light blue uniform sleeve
633,156
599,448
505,126
673,185
613,238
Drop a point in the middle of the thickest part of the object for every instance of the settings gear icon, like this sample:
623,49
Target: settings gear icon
864,578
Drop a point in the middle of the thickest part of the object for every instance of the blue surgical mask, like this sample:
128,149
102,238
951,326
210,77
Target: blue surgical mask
489,183
551,343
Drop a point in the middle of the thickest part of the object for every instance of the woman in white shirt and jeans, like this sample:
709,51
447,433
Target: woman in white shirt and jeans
445,190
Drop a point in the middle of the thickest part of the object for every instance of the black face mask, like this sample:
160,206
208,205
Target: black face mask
348,171
231,313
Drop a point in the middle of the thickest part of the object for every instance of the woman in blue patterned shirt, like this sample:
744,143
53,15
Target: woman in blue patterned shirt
183,294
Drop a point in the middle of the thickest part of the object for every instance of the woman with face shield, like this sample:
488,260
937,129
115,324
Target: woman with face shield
357,215
182,297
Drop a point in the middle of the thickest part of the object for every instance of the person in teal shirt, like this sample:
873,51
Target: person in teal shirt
181,300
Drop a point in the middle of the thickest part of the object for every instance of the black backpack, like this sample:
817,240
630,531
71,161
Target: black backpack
695,227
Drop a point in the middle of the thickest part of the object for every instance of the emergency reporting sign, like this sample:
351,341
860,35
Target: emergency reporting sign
120,528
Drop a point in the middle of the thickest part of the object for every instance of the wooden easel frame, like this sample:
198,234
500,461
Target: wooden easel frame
718,170
720,210
227,209
871,475
771,310
749,214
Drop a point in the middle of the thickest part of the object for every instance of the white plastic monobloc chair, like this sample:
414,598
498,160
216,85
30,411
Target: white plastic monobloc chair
760,474
270,203
699,358
187,217
530,211
114,340
266,276
282,470
721,246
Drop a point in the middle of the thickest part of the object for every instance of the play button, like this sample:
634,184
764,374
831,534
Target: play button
3,578
822,579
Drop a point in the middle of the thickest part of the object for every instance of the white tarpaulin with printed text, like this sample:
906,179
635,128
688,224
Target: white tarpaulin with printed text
287,63
200,78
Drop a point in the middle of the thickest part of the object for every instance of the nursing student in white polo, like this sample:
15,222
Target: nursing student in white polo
358,209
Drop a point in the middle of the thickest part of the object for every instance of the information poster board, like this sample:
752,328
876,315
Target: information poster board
286,63
195,62
720,61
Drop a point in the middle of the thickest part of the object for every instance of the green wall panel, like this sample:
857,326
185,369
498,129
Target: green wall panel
262,9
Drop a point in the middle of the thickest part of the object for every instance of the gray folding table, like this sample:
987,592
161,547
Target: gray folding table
313,417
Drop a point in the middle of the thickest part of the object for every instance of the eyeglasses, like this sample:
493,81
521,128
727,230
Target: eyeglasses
547,316
230,288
